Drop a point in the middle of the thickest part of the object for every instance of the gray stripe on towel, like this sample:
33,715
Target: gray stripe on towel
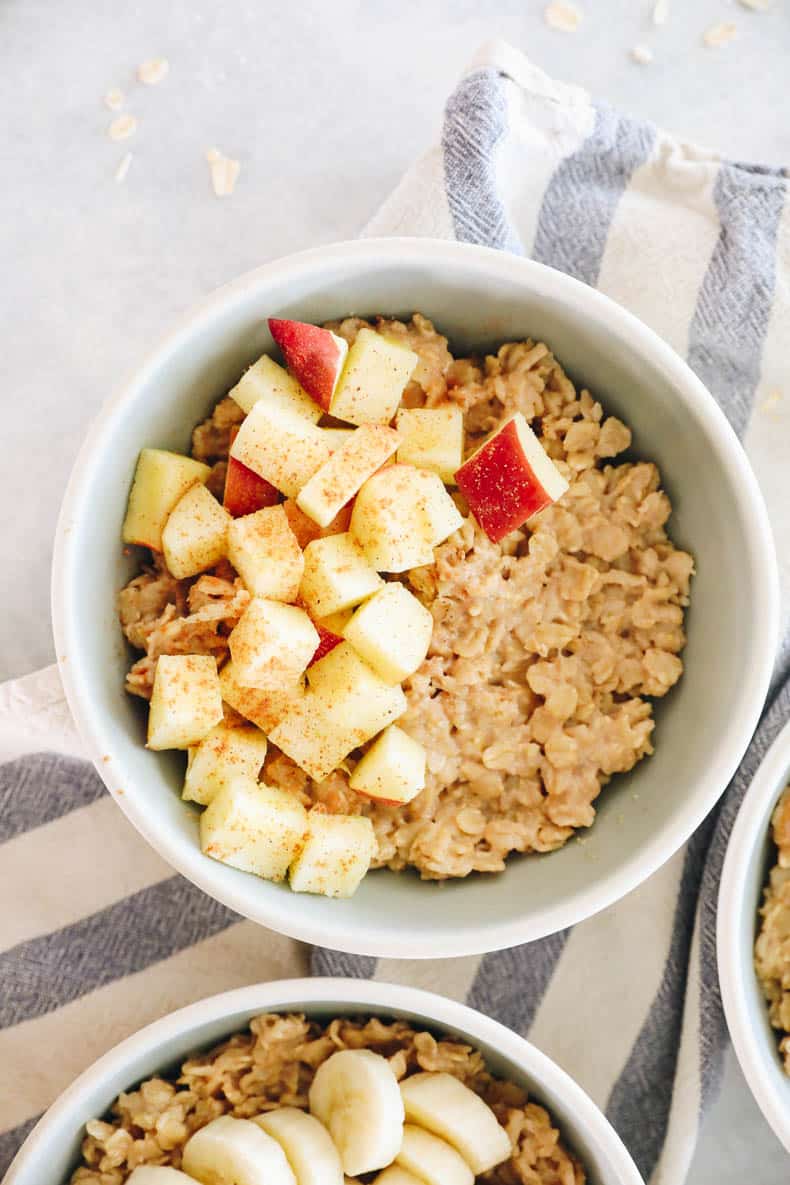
335,962
734,303
581,199
41,788
45,973
510,984
11,1141
475,123
641,1098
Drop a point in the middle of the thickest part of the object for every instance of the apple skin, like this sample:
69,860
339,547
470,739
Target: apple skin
245,491
327,642
314,356
500,484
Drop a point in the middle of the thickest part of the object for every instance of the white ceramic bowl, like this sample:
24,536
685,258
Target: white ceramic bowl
750,855
479,297
52,1148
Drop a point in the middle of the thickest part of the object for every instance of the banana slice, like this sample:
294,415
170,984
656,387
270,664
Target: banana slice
395,1175
355,1094
306,1143
152,1174
231,1151
431,1159
443,1105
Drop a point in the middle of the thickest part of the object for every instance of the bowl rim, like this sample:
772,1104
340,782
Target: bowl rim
737,976
490,935
435,1010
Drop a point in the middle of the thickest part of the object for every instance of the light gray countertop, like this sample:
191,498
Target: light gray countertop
324,105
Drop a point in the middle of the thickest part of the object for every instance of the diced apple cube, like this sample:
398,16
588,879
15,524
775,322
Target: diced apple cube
272,644
336,575
337,437
345,706
392,770
254,827
160,479
265,552
267,382
306,530
263,707
336,622
227,751
281,446
509,479
392,632
354,695
432,438
400,515
186,702
339,478
337,852
195,537
314,355
373,379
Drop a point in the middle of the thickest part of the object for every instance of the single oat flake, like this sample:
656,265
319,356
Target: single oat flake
123,168
153,71
756,5
564,17
114,99
771,402
642,54
660,12
719,35
224,172
122,128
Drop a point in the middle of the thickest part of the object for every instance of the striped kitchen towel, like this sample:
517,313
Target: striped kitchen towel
102,937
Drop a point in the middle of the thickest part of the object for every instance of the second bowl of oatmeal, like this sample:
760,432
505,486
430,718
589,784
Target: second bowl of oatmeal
552,651
753,936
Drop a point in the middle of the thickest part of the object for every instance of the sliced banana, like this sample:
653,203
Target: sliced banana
431,1159
443,1105
231,1151
395,1175
306,1143
152,1174
355,1095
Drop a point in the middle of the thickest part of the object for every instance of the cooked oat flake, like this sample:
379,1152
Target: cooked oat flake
224,172
564,17
123,168
153,71
719,35
642,54
122,127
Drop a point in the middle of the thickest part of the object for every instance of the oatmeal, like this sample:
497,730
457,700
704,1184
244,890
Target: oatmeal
772,950
274,1064
547,647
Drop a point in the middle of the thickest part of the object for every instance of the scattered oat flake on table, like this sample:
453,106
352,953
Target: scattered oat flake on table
718,35
564,17
771,401
123,168
153,71
122,127
114,99
757,5
642,54
224,172
660,12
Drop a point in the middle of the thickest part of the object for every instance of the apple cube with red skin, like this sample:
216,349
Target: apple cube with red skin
509,479
393,769
266,554
314,356
341,477
245,492
306,530
272,644
281,446
327,641
161,478
264,707
267,382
